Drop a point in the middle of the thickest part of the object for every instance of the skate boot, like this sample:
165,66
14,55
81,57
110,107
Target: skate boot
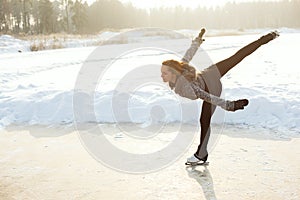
270,36
193,160
275,34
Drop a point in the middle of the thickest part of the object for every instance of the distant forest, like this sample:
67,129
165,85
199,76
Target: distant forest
77,17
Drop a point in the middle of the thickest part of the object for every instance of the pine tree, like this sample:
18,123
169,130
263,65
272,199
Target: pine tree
79,17
3,15
66,4
46,19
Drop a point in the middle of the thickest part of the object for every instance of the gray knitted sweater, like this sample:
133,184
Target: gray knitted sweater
196,89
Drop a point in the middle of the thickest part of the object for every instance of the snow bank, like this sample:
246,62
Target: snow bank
9,44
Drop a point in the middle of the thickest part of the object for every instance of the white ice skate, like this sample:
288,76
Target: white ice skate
193,161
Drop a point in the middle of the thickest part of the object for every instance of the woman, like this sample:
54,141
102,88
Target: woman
206,85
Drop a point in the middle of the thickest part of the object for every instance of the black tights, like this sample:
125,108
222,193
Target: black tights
212,77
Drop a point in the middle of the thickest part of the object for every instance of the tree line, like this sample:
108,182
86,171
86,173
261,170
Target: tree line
76,16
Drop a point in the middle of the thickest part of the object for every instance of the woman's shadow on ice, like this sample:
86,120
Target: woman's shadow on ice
203,177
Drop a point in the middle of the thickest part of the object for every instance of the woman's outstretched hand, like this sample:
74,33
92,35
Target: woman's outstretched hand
236,105
199,38
240,104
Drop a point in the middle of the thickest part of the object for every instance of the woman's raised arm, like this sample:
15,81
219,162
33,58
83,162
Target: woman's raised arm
189,54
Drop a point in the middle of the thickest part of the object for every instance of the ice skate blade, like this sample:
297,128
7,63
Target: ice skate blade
196,164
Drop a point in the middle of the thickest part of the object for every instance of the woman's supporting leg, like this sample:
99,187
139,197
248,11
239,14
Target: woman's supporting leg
205,119
213,86
227,64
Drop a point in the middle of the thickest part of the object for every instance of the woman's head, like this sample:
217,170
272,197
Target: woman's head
171,69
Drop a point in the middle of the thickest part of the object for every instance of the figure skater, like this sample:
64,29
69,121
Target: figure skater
187,82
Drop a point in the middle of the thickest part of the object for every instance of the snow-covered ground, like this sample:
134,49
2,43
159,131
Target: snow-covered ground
38,87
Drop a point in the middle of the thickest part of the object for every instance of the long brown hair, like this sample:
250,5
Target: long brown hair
182,68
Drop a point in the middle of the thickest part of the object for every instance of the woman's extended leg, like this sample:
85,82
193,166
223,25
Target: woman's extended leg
227,64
